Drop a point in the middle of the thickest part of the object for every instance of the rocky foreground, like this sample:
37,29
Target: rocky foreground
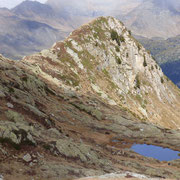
51,127
60,134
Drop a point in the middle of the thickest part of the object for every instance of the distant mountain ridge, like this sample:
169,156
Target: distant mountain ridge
163,50
28,28
30,9
166,53
172,70
149,18
54,20
154,18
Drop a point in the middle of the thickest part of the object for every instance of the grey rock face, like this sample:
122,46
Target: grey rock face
119,70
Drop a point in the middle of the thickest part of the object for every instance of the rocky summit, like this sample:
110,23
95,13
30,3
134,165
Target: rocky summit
76,109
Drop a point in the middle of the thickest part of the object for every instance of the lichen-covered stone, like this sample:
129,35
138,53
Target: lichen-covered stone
82,152
27,158
16,133
14,116
89,109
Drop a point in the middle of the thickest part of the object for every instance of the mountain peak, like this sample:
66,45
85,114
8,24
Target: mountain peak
29,3
33,8
102,58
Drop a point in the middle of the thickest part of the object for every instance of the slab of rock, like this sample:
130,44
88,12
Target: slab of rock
16,133
9,105
117,176
79,151
27,158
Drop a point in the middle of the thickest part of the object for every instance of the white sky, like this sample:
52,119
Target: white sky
12,3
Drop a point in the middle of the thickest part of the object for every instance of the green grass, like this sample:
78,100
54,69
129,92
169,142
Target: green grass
71,79
138,83
11,90
113,85
87,64
115,37
162,80
142,102
85,56
121,38
68,44
47,147
106,73
139,98
117,49
118,60
99,32
102,20
144,63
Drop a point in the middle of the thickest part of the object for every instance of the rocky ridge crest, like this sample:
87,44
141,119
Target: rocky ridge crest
103,58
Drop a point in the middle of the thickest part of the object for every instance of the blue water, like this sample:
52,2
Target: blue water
156,152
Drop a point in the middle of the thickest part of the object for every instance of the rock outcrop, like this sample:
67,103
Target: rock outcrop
103,58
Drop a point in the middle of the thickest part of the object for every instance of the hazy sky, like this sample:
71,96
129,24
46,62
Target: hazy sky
13,3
